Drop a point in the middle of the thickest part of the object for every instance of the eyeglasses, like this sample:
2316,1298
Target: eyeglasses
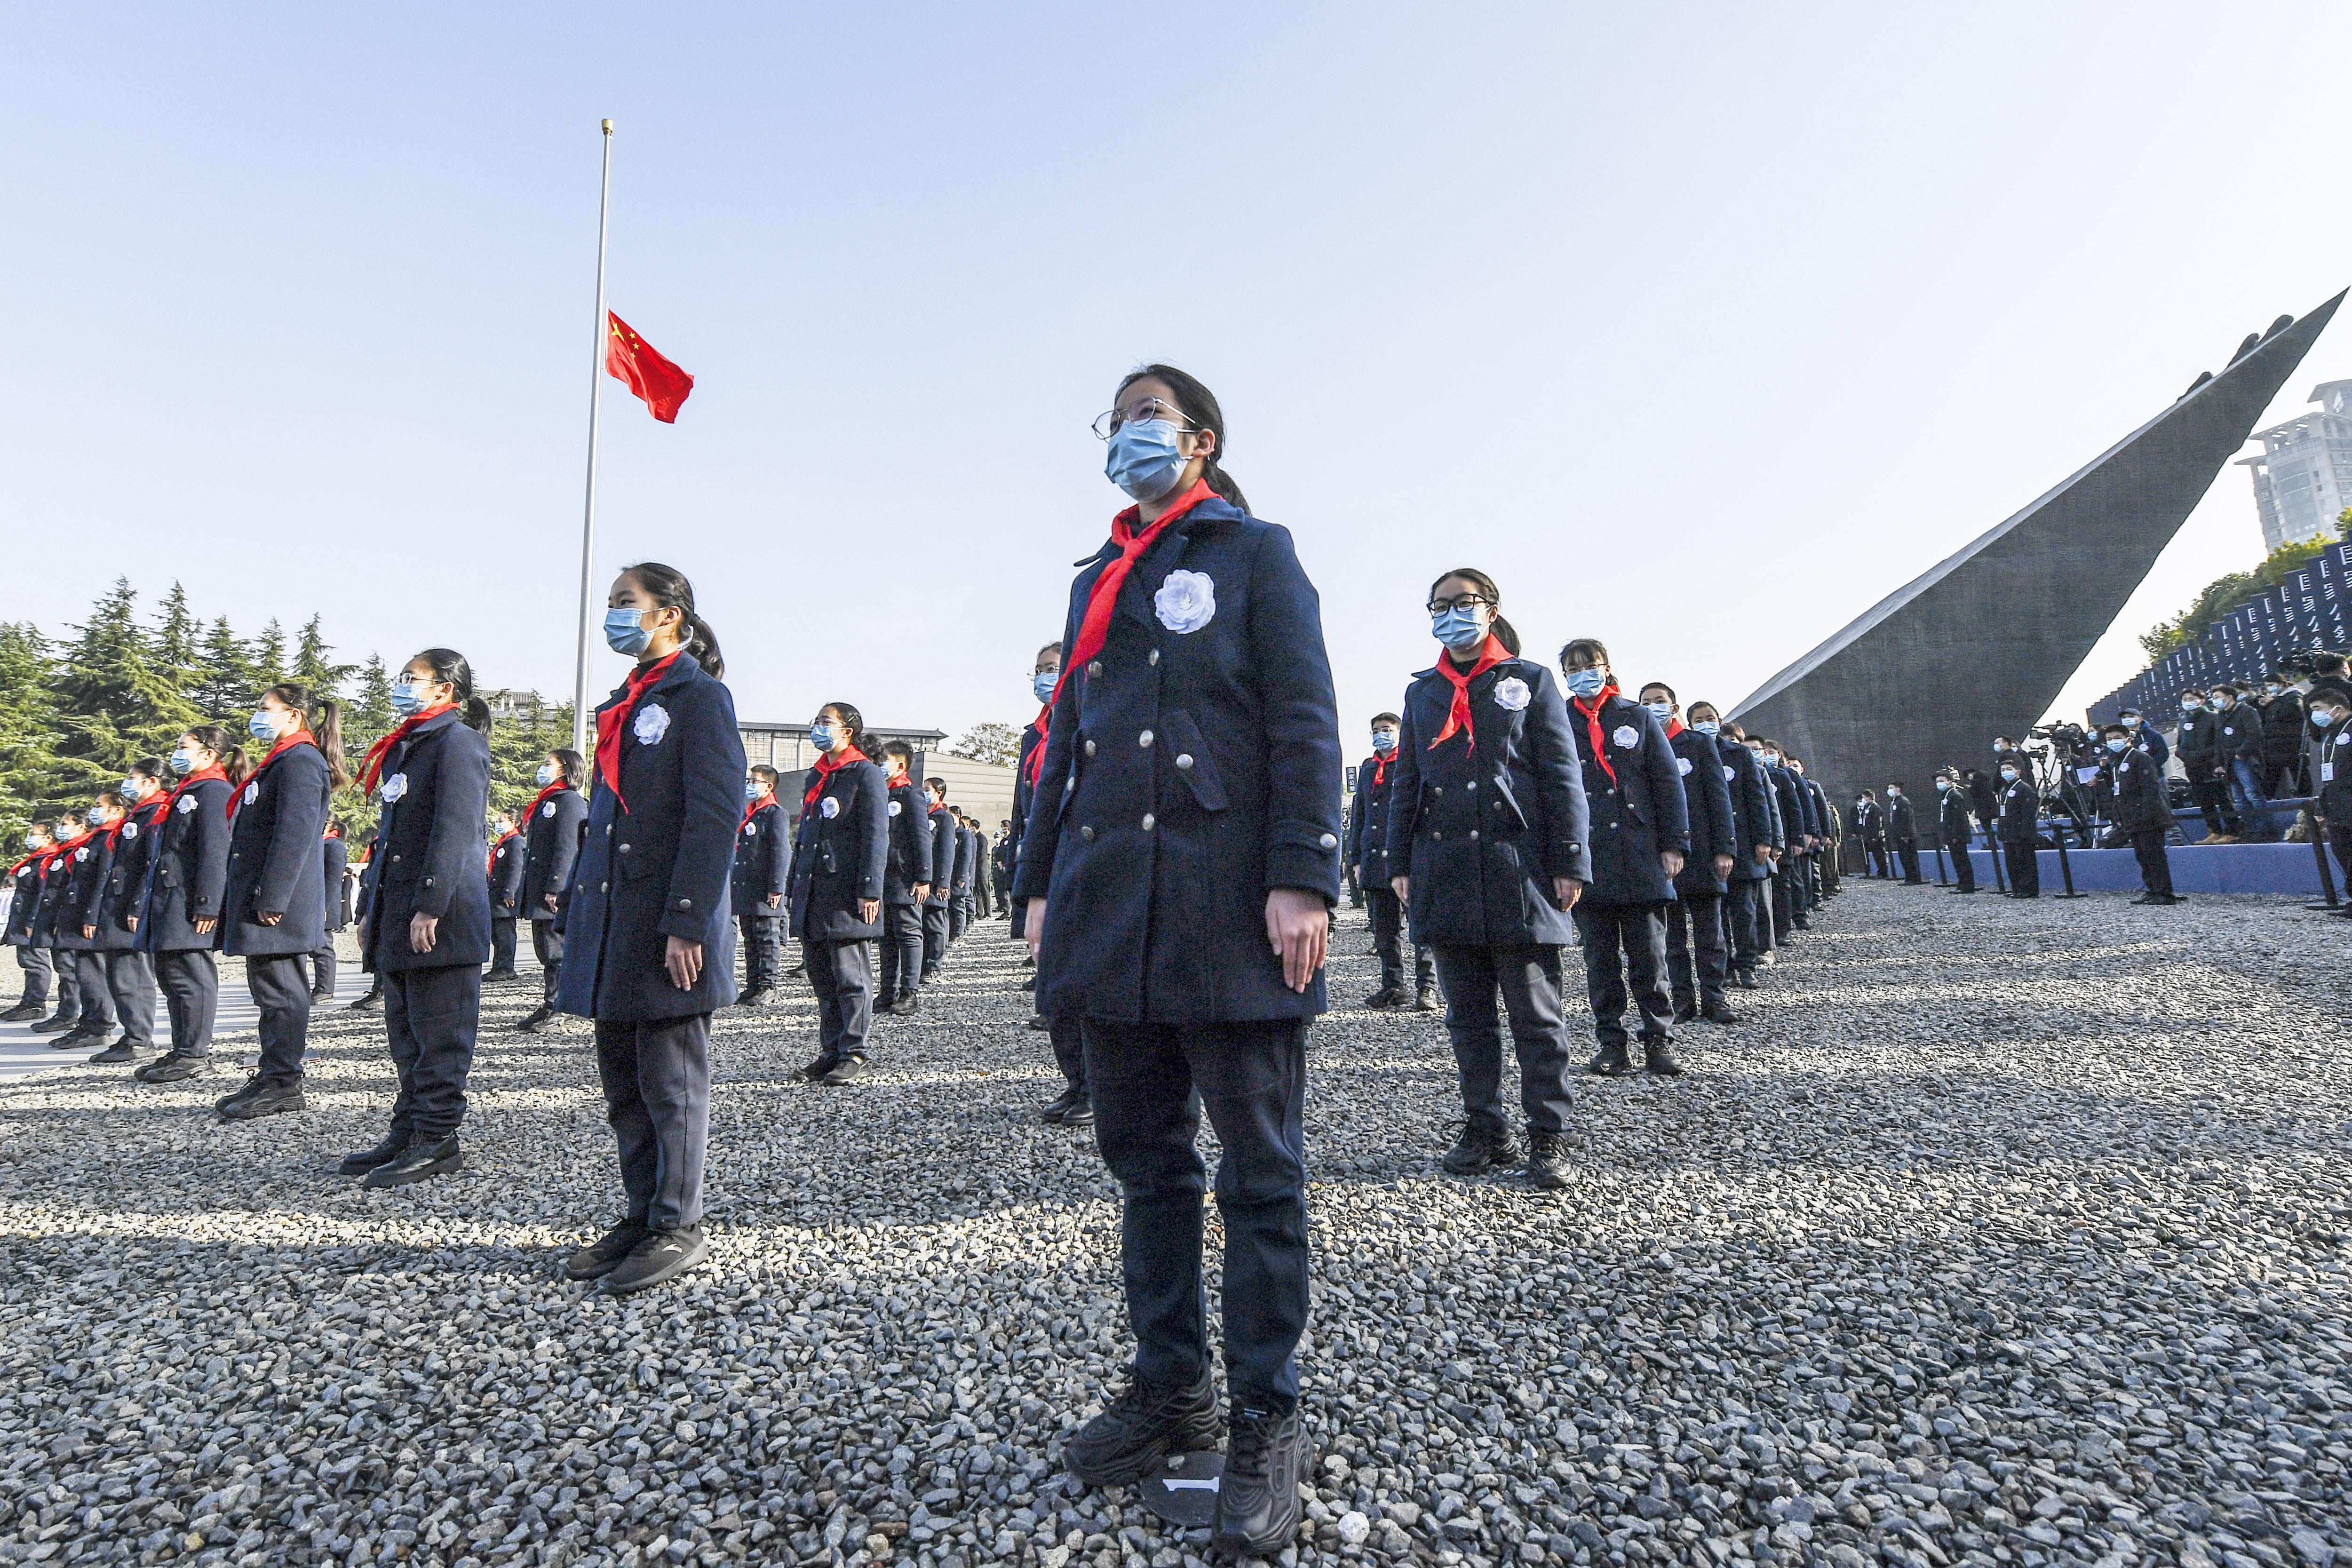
1107,422
1459,602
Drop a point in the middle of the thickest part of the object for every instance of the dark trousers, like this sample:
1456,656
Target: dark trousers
35,963
2155,864
1963,869
323,969
1528,980
902,951
1741,910
282,993
1388,941
2339,838
934,935
657,1078
502,946
843,975
191,981
958,916
96,1000
2213,798
1070,1052
547,946
2025,870
1618,938
1150,1083
1875,851
1783,904
763,943
432,1016
130,982
1695,930
69,982
1909,855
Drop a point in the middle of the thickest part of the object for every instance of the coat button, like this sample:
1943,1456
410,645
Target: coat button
625,849
685,903
1094,669
1144,739
1433,832
1152,658
1437,789
1330,841
1150,821
1473,785
395,860
1090,748
603,887
1474,835
1086,835
1184,759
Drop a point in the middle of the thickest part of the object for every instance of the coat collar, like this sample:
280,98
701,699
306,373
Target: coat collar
681,669
1513,665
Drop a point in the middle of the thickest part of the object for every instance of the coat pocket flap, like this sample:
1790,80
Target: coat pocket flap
1191,760
1507,793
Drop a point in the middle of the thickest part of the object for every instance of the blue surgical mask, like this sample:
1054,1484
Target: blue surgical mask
404,700
1143,459
2190,705
821,736
129,787
1708,727
1458,628
753,789
261,726
2322,719
1384,742
546,774
622,634
1663,712
184,761
2008,776
2131,720
1944,786
2116,743
1043,682
1586,682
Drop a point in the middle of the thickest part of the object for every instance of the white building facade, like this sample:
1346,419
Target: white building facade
2303,478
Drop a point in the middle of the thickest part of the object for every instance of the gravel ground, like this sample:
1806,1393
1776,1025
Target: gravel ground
1996,1233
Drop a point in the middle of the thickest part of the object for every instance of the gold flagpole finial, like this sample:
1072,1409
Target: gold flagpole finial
608,128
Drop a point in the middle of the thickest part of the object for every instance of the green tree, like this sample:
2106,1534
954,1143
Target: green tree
173,645
2344,525
517,744
30,782
113,706
312,668
989,742
269,660
371,710
2226,594
225,687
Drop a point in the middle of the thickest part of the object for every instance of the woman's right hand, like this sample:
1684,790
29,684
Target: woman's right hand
1402,887
1032,927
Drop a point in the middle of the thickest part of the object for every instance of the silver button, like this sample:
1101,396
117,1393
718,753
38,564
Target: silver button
1437,789
1086,835
1144,739
608,830
1330,841
1094,668
1090,748
1150,821
1184,759
1473,785
625,849
1433,832
1070,785
1474,835
395,860
603,887
1154,658
685,903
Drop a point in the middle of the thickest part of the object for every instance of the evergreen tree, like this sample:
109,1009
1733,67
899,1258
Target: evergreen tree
269,660
114,707
173,645
991,741
311,666
370,713
517,744
225,687
30,784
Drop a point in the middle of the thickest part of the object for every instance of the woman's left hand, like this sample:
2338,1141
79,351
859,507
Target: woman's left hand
1298,928
868,911
684,960
421,930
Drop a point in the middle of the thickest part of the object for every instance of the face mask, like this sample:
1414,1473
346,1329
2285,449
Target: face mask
622,634
1943,787
546,774
1663,712
753,789
2116,745
2131,720
261,726
184,761
2322,719
2190,705
404,700
32,841
821,735
1893,796
1384,742
2008,776
100,822
1458,628
2225,700
1707,727
130,789
1043,682
1143,459
1586,682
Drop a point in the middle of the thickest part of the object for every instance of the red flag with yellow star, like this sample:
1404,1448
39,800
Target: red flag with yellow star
630,358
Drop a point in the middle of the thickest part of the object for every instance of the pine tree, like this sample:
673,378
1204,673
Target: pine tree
989,742
371,710
114,707
311,666
172,648
268,661
225,687
30,783
519,744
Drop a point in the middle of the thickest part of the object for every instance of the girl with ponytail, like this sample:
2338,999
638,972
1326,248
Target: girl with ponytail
649,946
839,858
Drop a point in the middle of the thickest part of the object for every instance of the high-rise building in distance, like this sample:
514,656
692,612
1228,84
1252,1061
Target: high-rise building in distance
2302,480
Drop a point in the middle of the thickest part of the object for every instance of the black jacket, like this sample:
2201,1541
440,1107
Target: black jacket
93,868
1902,824
1637,814
763,858
2283,727
1707,800
943,854
1869,822
25,903
2331,776
1368,824
1753,817
134,852
2199,742
434,788
839,858
2133,792
1952,817
553,837
333,856
510,862
2021,809
2240,734
908,863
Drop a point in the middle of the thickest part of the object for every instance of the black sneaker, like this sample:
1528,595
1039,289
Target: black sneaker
1141,1430
1546,1161
361,1161
1658,1056
1744,979
1425,1001
318,994
1052,1115
1386,997
848,1069
755,997
907,1007
1611,1061
491,977
1029,982
79,1039
1685,1011
369,1003
1479,1148
536,1019
1718,1012
1257,1496
1081,1116
115,1055
425,1157
172,1068
816,1069
1042,1023
57,1022
604,1255
659,1257
263,1097
23,1010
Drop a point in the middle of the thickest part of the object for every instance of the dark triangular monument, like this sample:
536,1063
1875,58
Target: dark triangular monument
1982,644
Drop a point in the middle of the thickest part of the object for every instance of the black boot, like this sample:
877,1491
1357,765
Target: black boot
1658,1056
262,1097
172,1068
1069,1100
360,1163
369,1003
1611,1060
1546,1161
536,1019
426,1156
604,1255
1480,1147
1257,1496
1425,1000
1141,1430
755,997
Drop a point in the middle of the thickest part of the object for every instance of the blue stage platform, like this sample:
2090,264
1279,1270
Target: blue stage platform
2279,868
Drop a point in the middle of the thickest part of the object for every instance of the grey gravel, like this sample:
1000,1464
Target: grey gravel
1997,1234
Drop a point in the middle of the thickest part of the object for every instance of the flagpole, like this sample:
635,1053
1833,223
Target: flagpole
588,522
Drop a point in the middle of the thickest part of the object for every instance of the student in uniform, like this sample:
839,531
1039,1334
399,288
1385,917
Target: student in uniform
762,872
1870,827
1641,838
1753,838
935,917
2021,811
1788,915
23,904
184,893
1952,825
86,931
959,887
904,885
131,973
425,915
2329,716
509,863
1822,828
332,859
275,910
54,910
1367,853
1073,1107
649,941
838,867
1698,960
1182,862
981,857
1903,834
1000,866
2135,802
554,827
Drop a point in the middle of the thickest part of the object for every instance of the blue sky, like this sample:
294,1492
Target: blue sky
1700,330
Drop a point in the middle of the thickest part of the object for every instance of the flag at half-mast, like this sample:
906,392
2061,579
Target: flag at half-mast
631,359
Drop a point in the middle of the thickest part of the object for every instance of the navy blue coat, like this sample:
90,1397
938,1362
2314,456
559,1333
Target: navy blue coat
187,872
276,847
1638,815
660,869
92,861
1368,824
24,901
2149,739
1952,817
135,851
57,900
1482,830
1902,824
1869,822
837,860
2021,808
333,856
435,788
763,858
1025,797
1822,817
510,861
554,835
1192,768
1752,815
1707,802
909,861
943,854
1789,799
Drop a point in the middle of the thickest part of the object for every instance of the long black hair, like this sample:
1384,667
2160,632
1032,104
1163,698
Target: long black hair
223,745
1500,627
450,668
855,722
667,586
323,717
1199,406
570,765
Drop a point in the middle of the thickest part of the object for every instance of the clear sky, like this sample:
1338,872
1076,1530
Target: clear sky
1698,328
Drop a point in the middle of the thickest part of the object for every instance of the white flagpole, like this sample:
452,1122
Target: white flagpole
588,523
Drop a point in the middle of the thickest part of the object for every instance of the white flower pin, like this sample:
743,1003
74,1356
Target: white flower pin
1510,693
894,808
187,803
252,792
130,830
394,787
750,830
653,724
1627,736
1730,775
547,810
1186,602
1683,765
830,806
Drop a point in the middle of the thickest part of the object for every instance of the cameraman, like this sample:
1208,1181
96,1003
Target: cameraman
2133,797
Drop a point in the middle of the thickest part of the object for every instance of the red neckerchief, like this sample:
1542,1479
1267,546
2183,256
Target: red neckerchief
1380,769
1592,725
530,811
171,801
64,852
1457,717
899,781
1094,627
613,718
827,766
299,738
114,834
43,856
377,752
490,867
1041,726
1674,727
753,810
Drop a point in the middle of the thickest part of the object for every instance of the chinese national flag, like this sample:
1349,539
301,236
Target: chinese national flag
631,359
